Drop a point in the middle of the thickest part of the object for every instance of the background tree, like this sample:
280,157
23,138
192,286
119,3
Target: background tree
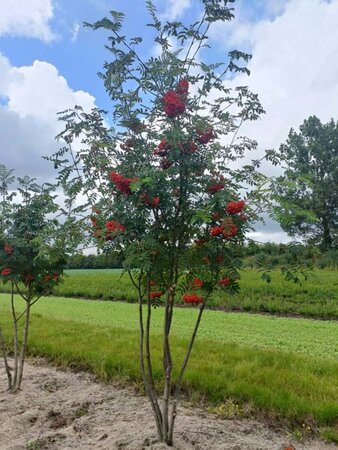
33,245
162,193
307,193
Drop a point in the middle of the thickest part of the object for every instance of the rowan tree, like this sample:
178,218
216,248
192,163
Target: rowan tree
33,250
163,195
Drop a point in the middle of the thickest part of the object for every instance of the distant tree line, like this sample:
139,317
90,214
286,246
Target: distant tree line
285,254
268,253
102,261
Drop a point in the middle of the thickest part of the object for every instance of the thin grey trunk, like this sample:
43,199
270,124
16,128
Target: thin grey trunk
7,368
23,352
157,410
167,366
148,386
15,339
180,377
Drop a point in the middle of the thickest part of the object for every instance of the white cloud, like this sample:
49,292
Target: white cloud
28,121
29,18
75,31
279,237
176,8
39,91
294,68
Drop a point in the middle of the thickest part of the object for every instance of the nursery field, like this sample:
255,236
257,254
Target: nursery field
280,368
315,297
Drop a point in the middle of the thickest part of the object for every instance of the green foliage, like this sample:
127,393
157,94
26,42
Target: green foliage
306,194
32,251
156,236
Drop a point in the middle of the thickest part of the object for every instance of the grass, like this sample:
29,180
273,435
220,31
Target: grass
285,368
317,297
309,337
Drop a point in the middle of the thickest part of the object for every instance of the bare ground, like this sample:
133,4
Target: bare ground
59,409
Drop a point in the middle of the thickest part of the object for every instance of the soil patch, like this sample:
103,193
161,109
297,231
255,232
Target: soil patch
59,409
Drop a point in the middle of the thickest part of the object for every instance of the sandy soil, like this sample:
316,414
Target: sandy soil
59,409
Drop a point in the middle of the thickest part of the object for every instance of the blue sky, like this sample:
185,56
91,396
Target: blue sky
49,62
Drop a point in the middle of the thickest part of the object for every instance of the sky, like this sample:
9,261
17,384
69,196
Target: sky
49,62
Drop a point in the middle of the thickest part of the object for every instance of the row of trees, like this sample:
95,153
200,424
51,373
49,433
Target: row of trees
252,252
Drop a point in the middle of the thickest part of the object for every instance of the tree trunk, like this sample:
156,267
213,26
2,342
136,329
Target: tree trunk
7,368
15,340
21,360
180,377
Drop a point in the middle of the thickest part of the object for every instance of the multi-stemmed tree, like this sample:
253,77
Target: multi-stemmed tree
162,192
32,257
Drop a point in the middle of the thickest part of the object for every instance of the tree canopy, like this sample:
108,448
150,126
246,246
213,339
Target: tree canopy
307,194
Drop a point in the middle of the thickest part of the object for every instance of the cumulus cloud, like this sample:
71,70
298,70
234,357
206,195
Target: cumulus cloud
294,68
29,18
176,8
28,122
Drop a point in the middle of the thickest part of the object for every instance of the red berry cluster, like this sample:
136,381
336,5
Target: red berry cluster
122,183
196,284
8,249
112,228
235,207
155,294
6,271
174,102
149,201
224,281
192,298
162,149
49,277
204,136
216,185
227,229
115,226
189,147
182,87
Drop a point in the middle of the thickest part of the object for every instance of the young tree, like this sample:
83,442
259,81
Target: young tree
164,197
32,257
307,194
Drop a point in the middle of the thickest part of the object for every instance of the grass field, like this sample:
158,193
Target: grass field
284,368
315,297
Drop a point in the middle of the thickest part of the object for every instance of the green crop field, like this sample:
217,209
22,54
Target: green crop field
315,297
284,367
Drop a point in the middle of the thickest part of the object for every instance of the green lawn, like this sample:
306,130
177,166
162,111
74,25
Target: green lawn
314,338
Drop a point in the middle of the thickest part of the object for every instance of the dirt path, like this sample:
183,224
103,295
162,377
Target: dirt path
59,409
